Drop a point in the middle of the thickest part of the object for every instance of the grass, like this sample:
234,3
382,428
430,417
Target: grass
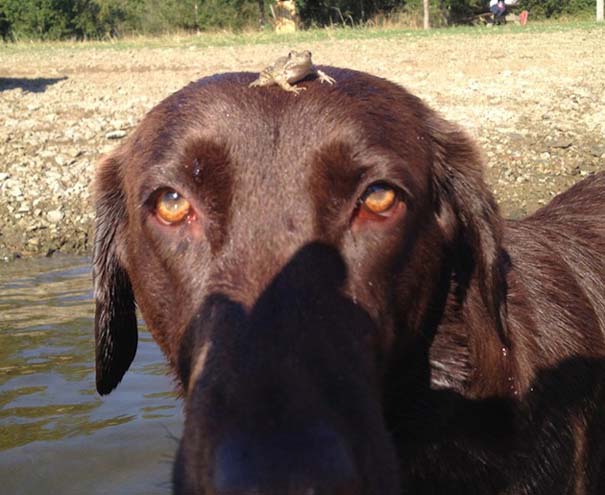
222,39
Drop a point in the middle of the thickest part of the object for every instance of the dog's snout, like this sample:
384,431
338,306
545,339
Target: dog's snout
307,461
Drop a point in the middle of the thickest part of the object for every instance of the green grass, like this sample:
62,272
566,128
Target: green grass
220,39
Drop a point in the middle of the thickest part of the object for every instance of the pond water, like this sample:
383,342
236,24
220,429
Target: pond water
57,435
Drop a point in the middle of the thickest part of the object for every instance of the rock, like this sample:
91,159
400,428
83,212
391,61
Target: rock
16,192
596,151
118,134
515,137
75,152
562,143
60,160
55,216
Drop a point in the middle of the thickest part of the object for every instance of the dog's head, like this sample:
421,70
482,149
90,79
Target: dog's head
286,252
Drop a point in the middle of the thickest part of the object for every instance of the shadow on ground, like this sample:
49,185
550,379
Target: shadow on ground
33,85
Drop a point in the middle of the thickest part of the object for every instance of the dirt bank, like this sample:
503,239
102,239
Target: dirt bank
534,101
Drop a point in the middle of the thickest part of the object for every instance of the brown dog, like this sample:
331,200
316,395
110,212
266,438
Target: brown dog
343,305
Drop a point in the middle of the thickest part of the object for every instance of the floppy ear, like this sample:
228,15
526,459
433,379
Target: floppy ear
469,215
115,317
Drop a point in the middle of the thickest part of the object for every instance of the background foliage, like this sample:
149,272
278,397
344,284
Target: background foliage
84,19
553,8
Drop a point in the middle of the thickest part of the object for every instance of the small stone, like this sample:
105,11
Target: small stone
562,143
54,216
115,134
515,137
596,151
16,192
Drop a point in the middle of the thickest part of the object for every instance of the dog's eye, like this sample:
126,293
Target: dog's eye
379,199
171,207
381,205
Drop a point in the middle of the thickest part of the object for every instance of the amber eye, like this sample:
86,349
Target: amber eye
171,207
379,199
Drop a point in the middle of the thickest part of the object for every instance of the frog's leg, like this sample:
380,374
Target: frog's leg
323,77
286,86
262,80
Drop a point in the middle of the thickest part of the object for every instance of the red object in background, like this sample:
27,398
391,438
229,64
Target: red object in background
523,17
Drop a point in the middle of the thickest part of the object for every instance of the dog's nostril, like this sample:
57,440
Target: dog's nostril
311,461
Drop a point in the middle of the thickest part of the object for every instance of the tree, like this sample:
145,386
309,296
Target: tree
553,8
5,27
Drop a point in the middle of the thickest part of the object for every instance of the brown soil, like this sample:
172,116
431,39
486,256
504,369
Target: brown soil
534,101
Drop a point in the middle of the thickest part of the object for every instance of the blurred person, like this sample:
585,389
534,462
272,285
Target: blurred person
498,9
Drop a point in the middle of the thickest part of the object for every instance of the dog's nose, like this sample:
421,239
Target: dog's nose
309,461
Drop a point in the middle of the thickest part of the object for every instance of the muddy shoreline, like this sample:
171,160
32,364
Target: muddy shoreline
534,104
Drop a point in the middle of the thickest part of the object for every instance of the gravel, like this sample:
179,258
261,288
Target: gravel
535,103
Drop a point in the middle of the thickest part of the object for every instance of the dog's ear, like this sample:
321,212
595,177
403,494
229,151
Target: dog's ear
469,216
115,316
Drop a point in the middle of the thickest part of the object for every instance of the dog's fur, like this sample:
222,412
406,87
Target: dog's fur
441,351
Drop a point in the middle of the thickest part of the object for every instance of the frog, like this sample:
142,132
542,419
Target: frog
287,71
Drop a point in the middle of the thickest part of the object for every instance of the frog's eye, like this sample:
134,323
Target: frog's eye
171,208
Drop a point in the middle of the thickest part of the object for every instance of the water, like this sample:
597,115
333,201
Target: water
57,435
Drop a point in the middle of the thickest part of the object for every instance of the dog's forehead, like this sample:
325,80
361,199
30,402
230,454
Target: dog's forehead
272,140
270,126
